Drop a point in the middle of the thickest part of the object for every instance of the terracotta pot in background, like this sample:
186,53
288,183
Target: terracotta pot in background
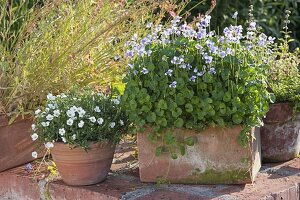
16,145
280,135
79,167
216,158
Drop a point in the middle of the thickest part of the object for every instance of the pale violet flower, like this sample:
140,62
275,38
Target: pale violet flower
145,71
192,78
252,26
169,72
200,74
198,46
45,124
70,122
222,54
212,71
97,109
61,131
49,117
121,122
234,16
56,113
80,124
205,21
34,137
33,127
51,97
112,124
100,121
173,84
92,119
49,145
37,112
74,137
34,154
64,139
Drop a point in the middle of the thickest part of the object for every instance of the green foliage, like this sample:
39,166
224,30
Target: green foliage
177,80
285,74
72,43
269,14
80,117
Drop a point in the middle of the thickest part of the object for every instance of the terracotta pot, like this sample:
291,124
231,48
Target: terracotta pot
79,167
16,145
216,158
280,135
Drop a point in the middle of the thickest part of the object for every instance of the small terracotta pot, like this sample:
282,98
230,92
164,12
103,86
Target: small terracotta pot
280,135
79,167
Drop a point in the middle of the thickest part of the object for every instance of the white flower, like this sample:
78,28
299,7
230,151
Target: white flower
47,110
112,124
62,95
34,154
121,122
49,145
116,101
100,121
33,127
51,106
74,137
73,108
62,131
45,124
64,139
49,117
70,122
81,111
34,137
97,109
50,97
37,112
70,113
92,119
56,113
80,124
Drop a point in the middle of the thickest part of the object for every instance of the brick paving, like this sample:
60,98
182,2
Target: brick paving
274,182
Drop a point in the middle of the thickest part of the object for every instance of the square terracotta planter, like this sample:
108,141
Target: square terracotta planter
16,145
280,135
216,158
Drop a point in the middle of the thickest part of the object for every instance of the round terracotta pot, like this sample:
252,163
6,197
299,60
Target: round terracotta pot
280,135
79,167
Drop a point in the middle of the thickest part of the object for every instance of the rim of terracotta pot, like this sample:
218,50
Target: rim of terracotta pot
4,119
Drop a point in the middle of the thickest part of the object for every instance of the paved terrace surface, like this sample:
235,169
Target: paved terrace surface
274,182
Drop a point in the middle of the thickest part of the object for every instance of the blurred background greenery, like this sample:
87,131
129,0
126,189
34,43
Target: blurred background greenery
269,14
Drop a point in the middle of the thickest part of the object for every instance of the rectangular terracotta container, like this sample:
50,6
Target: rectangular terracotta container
216,158
16,145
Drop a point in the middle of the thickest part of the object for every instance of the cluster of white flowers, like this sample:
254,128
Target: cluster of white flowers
77,117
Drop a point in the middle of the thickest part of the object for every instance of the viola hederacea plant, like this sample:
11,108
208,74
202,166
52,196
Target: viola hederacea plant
185,76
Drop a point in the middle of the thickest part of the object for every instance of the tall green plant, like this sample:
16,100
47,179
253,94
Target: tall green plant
76,43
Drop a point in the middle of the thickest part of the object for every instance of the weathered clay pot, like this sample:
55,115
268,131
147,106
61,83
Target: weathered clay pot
280,135
79,167
216,158
16,145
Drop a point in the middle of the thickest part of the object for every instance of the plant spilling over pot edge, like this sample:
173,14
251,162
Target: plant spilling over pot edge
78,118
184,76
